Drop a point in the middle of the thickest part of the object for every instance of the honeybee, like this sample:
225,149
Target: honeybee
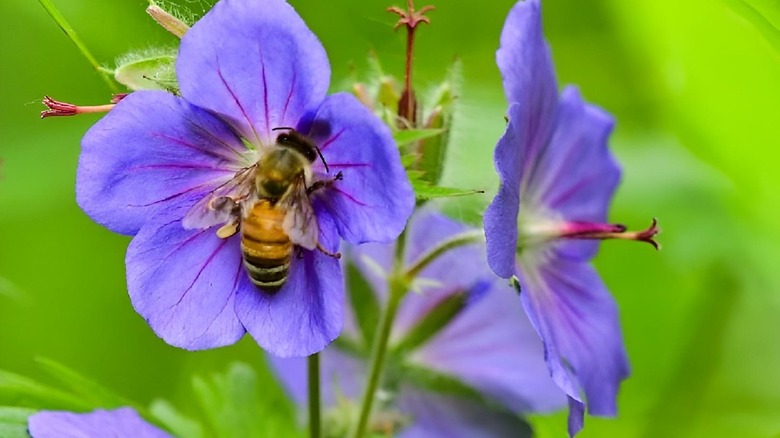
269,203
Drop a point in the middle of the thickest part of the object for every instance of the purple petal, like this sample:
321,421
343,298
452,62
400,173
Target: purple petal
575,175
500,218
437,416
578,322
152,150
183,282
529,80
492,347
119,423
374,200
307,313
256,64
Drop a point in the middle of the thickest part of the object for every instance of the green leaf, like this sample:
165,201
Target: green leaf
175,422
437,318
13,422
152,69
21,391
235,406
424,191
365,305
441,383
407,136
87,390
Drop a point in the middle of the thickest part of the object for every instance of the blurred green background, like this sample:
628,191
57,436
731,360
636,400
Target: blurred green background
695,87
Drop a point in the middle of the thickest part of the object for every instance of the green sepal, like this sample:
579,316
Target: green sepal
153,69
365,306
234,405
439,109
437,318
425,191
13,422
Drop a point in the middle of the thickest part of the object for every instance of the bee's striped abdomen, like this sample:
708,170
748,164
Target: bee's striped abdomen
266,248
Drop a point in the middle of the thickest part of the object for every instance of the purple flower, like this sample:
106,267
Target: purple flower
488,346
557,178
119,423
182,174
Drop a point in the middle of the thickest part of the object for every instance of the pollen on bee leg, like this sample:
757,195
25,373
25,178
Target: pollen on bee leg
227,230
335,255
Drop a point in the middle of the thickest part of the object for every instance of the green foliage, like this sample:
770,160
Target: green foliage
234,405
425,191
437,318
364,304
13,422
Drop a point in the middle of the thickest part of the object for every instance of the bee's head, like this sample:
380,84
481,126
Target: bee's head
298,142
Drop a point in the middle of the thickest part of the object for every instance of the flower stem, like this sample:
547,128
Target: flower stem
58,18
465,238
397,290
315,425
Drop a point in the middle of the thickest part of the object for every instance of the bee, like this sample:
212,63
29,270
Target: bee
269,203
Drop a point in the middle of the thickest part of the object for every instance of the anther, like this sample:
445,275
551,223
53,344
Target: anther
57,108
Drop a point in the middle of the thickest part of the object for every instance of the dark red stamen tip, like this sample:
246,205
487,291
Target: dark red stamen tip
411,18
648,234
57,108
60,109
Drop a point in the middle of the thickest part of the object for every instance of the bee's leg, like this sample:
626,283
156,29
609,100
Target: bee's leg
336,255
324,183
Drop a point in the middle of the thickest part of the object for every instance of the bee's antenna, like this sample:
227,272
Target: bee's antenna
279,128
322,158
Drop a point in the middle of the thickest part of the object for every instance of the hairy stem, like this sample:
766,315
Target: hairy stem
465,238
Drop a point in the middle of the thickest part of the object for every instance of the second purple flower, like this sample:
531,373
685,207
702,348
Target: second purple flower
239,191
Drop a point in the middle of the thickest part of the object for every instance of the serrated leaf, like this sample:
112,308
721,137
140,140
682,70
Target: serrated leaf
21,391
149,70
234,405
174,421
424,191
407,136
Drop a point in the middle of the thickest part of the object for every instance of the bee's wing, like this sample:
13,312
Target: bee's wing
223,203
300,222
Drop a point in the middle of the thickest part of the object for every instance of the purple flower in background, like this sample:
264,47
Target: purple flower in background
488,345
119,423
182,174
557,178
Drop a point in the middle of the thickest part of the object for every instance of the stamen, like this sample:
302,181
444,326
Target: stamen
57,108
584,230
